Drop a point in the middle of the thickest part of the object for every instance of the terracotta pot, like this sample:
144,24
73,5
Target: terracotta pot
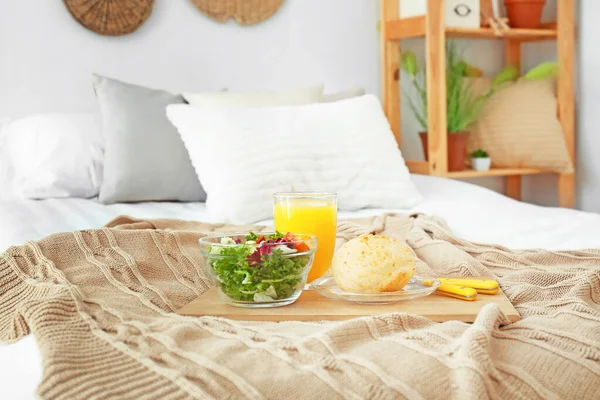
526,14
457,149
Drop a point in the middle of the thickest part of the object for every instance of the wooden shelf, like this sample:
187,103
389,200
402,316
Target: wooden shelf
422,167
469,173
415,27
434,31
524,35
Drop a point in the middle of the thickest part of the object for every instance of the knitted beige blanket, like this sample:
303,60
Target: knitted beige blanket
101,305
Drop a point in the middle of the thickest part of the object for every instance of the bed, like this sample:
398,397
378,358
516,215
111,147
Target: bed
76,272
470,210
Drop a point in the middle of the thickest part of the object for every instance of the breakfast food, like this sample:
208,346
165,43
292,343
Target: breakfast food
372,264
259,268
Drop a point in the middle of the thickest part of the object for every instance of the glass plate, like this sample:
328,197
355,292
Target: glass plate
415,288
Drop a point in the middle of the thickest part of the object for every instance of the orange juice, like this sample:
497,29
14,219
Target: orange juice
312,213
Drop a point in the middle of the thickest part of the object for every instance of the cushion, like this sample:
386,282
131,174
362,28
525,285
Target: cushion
145,158
52,155
346,94
244,155
519,127
291,97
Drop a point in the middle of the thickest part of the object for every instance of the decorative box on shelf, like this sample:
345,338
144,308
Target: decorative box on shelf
459,13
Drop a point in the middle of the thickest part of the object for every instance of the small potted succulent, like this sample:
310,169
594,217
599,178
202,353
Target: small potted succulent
480,160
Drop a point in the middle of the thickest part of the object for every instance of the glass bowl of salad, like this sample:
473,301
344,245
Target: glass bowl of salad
259,269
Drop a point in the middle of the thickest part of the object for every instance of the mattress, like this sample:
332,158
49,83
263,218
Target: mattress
473,212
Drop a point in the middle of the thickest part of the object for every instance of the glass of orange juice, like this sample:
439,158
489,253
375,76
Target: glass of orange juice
312,213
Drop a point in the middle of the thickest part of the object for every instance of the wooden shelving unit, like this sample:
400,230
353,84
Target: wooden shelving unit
433,29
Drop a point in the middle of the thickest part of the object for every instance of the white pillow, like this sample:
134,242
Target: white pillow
291,97
55,155
244,155
346,94
5,167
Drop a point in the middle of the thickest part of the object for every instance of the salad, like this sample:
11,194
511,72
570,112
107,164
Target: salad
260,268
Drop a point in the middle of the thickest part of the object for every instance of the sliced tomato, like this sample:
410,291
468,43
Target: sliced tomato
302,247
260,239
289,237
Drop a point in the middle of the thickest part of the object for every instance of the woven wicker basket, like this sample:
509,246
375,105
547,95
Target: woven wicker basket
110,17
245,12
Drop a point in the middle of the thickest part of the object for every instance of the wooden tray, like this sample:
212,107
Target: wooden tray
311,306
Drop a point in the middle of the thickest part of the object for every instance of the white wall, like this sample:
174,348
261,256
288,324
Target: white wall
46,57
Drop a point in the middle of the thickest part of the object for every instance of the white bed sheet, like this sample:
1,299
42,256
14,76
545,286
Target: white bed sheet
473,212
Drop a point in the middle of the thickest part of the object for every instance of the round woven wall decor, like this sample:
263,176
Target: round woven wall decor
245,12
110,17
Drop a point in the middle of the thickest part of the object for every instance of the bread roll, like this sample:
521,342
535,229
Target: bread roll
372,264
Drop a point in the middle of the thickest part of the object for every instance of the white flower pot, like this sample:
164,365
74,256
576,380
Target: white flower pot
481,164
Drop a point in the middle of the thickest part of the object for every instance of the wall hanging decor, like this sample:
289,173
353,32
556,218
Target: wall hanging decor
110,17
245,12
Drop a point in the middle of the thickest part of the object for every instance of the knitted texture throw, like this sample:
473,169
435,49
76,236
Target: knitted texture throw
101,305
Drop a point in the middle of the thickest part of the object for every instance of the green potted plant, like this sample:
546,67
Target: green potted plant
480,160
462,101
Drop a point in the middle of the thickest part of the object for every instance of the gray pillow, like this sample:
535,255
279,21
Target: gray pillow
145,158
